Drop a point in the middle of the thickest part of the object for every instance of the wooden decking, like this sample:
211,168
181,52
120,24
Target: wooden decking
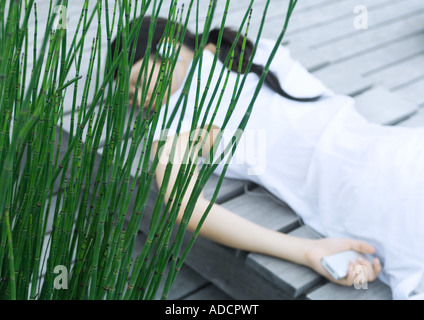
382,67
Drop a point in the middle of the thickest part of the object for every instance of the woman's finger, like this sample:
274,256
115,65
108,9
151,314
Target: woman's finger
376,267
348,280
366,270
362,246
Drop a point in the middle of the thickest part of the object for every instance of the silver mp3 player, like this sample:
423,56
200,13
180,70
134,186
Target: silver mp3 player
337,264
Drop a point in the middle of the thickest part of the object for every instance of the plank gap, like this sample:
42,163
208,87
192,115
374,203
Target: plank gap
392,64
407,83
342,17
379,46
374,27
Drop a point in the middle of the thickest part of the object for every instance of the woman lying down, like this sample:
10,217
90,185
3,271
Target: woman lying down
359,184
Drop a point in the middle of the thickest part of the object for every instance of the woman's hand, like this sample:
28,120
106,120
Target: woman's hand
324,247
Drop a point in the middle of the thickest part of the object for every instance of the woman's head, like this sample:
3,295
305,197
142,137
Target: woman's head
143,37
186,54
153,65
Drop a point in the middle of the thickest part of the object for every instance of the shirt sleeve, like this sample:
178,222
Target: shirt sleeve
294,78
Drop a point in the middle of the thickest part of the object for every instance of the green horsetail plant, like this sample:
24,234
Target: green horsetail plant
75,156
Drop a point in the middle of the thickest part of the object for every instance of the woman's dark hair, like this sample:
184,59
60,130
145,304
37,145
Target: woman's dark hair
228,38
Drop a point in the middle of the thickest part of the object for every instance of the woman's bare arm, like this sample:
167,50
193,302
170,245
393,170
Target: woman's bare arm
227,228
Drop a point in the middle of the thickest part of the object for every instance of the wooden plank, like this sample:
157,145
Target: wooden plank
228,271
384,55
305,5
413,91
316,62
381,106
343,28
415,121
340,78
236,12
263,211
186,282
363,41
258,6
235,7
399,74
276,12
336,24
347,77
290,277
376,290
230,188
325,14
209,292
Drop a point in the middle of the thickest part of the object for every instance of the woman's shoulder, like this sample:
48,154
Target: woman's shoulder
264,49
294,77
